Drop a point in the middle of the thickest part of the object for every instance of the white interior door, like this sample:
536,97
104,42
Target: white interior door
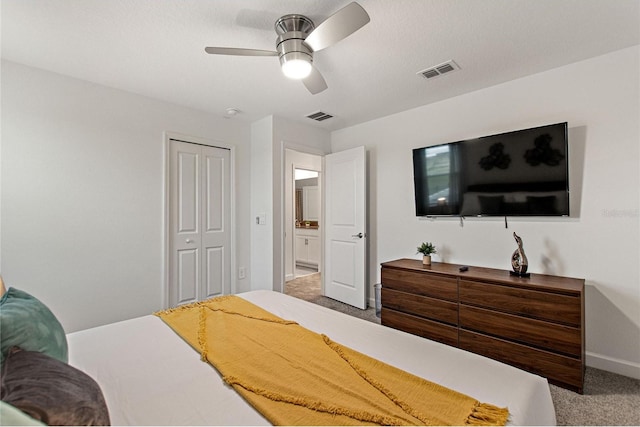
345,224
199,222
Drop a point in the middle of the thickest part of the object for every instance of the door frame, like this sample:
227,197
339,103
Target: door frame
290,228
288,145
167,136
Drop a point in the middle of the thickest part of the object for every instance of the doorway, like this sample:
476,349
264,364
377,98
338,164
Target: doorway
303,224
306,239
342,223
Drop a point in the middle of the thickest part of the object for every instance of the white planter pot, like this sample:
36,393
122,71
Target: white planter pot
426,259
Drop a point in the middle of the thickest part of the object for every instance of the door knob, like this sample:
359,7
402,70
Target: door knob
188,240
359,235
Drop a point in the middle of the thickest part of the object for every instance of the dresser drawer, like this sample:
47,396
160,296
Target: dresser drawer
419,326
561,370
431,308
541,305
538,333
534,323
421,283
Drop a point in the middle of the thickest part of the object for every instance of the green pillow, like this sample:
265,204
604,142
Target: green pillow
27,323
11,416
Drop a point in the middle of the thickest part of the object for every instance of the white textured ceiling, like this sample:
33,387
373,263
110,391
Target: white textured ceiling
156,48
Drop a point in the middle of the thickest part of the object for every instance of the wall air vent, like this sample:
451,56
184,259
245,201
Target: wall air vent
319,116
438,70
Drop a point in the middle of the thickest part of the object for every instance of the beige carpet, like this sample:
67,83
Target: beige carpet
609,399
309,288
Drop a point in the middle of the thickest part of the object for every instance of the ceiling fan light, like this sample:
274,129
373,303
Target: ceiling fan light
296,66
297,69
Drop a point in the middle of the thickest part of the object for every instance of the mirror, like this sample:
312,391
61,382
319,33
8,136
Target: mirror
307,198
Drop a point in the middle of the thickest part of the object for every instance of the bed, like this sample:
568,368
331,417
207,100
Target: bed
150,376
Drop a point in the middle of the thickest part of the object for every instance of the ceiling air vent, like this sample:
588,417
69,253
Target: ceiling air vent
319,116
438,70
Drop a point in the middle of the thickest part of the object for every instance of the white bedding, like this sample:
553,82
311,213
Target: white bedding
150,376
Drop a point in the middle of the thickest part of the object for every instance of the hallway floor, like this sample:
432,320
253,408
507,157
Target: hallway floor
309,288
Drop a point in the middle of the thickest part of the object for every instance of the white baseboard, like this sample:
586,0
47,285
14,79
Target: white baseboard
612,364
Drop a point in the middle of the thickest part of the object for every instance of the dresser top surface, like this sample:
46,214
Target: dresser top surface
534,281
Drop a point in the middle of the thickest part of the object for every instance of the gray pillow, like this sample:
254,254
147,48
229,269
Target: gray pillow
51,391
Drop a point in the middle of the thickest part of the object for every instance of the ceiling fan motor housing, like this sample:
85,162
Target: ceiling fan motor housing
294,22
298,38
292,31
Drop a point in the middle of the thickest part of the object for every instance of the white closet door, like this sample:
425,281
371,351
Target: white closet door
216,233
199,218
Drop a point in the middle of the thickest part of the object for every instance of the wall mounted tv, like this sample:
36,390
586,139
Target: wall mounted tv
519,173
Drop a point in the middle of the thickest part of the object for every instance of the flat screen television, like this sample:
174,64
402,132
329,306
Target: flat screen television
518,173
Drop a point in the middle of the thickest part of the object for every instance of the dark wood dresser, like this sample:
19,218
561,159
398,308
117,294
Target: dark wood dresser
534,323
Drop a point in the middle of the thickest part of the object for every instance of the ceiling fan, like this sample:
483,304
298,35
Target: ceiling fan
298,38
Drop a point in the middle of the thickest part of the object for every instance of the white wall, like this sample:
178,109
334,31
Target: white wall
82,193
269,139
306,139
262,203
600,100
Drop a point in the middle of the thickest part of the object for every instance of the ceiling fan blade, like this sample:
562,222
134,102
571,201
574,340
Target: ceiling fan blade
315,82
239,51
341,24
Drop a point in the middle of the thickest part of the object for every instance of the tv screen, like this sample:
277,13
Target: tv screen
519,173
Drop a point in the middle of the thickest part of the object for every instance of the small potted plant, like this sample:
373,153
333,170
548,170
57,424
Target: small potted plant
426,249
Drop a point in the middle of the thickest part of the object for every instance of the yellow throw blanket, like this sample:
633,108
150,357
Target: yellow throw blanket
294,376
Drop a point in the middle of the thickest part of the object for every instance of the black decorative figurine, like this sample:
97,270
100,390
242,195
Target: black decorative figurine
519,261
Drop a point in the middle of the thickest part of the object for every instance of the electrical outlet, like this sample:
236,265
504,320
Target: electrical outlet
242,273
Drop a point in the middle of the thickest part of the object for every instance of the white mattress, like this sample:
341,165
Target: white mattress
150,376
